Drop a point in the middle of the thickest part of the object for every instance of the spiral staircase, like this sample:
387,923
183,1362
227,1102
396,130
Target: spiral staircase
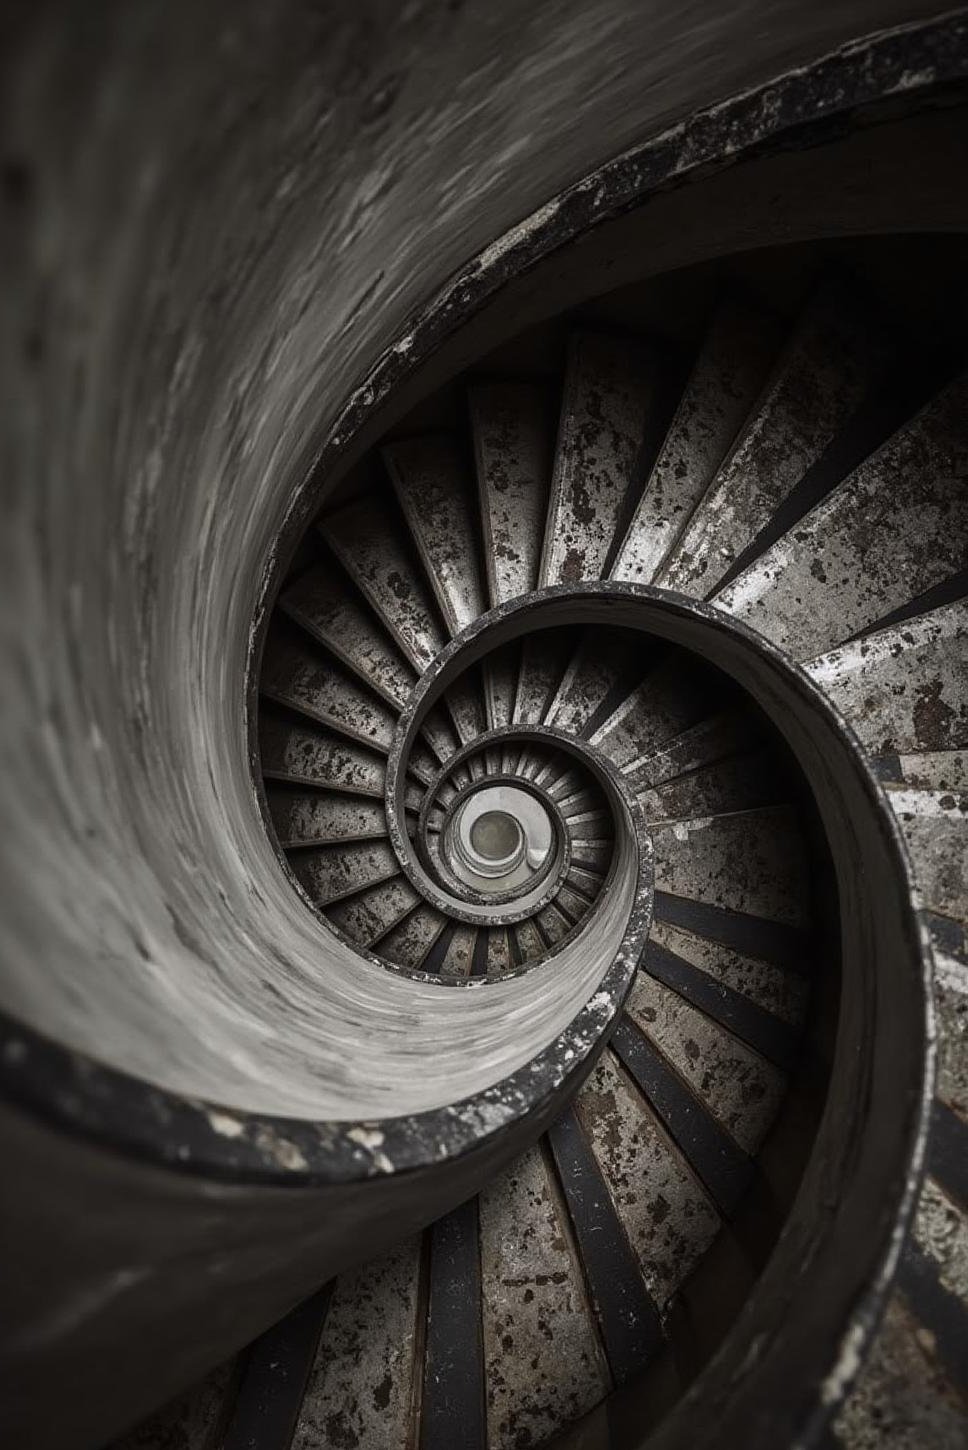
549,997
466,808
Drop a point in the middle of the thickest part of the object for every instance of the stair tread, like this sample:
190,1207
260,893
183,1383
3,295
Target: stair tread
500,684
408,943
364,538
628,1316
530,942
531,1281
739,1088
831,361
743,782
360,1386
722,1167
714,739
904,689
893,528
313,755
949,942
553,924
942,770
669,1218
323,817
429,476
465,702
513,432
368,915
330,873
440,734
672,698
725,381
746,861
326,692
769,1037
606,405
595,672
498,951
782,994
935,827
322,603
459,958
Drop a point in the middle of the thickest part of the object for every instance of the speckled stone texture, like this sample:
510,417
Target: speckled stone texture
903,1400
215,223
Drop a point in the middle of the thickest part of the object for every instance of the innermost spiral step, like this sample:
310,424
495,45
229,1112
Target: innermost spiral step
496,836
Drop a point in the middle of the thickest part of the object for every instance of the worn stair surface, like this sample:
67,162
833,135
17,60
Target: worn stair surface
798,487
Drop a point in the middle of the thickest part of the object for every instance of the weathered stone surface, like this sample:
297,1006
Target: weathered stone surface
544,1365
513,424
608,396
739,784
782,993
459,957
431,483
750,861
903,1400
904,688
951,1002
374,553
371,913
891,530
297,676
739,1087
598,665
408,943
941,1228
220,229
529,940
323,817
331,872
832,357
729,372
935,826
359,1393
941,770
667,702
667,1215
313,755
320,602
